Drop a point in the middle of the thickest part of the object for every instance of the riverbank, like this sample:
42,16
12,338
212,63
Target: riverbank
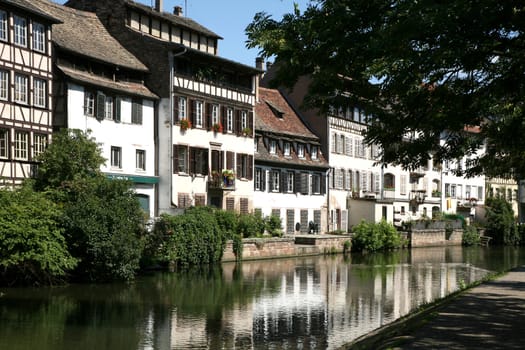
488,314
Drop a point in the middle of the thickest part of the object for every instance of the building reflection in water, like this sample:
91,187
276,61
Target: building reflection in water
320,302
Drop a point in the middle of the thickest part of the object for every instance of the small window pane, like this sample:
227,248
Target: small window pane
3,25
141,159
20,31
116,157
39,37
4,85
21,88
39,92
21,145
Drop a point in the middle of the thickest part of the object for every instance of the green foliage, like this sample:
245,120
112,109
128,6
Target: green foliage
104,229
500,222
228,222
237,247
375,236
72,155
194,238
250,225
419,67
274,225
32,245
470,236
347,246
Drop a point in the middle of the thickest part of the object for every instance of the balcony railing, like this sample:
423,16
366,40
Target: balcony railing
221,182
389,193
417,196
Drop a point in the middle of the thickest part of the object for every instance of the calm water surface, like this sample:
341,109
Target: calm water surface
303,303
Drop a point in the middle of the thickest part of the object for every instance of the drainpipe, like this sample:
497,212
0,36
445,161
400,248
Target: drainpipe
327,184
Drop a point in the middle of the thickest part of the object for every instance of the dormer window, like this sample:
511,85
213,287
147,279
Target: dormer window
300,150
273,147
313,153
287,148
275,110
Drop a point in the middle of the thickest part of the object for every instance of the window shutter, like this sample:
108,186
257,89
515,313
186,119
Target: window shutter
224,119
344,220
208,120
193,109
249,176
304,183
175,159
101,104
364,182
376,182
205,162
283,176
237,122
263,179
250,123
175,109
239,165
349,146
323,184
118,101
192,161
229,160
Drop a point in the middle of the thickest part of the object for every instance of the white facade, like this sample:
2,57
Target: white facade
128,147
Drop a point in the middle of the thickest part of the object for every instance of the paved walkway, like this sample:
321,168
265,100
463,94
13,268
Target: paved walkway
489,316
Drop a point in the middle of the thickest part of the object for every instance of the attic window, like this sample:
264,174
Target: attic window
276,111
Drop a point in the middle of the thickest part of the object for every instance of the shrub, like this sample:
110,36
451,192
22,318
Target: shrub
375,236
470,236
274,226
228,222
500,222
32,245
250,225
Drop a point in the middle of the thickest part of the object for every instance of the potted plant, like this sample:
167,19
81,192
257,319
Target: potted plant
217,127
228,176
247,131
185,124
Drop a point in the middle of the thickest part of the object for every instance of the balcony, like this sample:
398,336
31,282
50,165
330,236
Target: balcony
225,182
389,193
417,196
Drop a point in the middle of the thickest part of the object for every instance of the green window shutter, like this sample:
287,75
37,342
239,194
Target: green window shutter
118,101
101,104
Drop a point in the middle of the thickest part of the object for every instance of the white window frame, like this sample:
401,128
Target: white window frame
290,182
258,179
140,159
272,146
4,20
108,108
116,157
314,153
229,120
244,120
286,148
4,85
199,114
89,103
182,161
300,150
215,114
183,108
275,180
20,31
4,143
21,88
21,145
39,37
316,183
39,92
39,144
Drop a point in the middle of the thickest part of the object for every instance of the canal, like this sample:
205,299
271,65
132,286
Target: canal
317,302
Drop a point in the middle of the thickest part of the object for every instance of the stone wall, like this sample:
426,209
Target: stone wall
434,237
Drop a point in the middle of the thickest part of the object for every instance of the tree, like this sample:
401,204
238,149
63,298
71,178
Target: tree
32,245
425,71
72,155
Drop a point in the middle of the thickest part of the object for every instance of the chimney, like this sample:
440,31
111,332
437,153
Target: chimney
158,5
259,63
177,10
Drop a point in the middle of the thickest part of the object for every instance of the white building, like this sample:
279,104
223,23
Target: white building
98,89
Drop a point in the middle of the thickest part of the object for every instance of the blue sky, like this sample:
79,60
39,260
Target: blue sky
229,18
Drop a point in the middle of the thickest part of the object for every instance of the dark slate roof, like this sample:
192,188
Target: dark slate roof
28,6
275,118
177,20
130,88
82,33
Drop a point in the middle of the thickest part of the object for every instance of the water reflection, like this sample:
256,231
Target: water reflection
308,303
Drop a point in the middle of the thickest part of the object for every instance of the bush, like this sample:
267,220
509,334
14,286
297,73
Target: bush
228,222
470,236
194,238
375,236
104,229
250,225
274,225
32,245
501,225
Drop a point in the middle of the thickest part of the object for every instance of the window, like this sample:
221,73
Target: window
447,190
199,161
244,120
215,114
21,145
39,37
89,103
273,147
341,144
39,144
39,92
182,108
4,143
313,153
108,108
260,179
198,114
287,148
21,88
116,157
180,159
300,150
275,179
453,191
244,166
316,183
20,31
140,159
4,85
229,120
3,25
289,182
136,111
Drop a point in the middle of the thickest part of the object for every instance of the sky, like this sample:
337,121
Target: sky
228,19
